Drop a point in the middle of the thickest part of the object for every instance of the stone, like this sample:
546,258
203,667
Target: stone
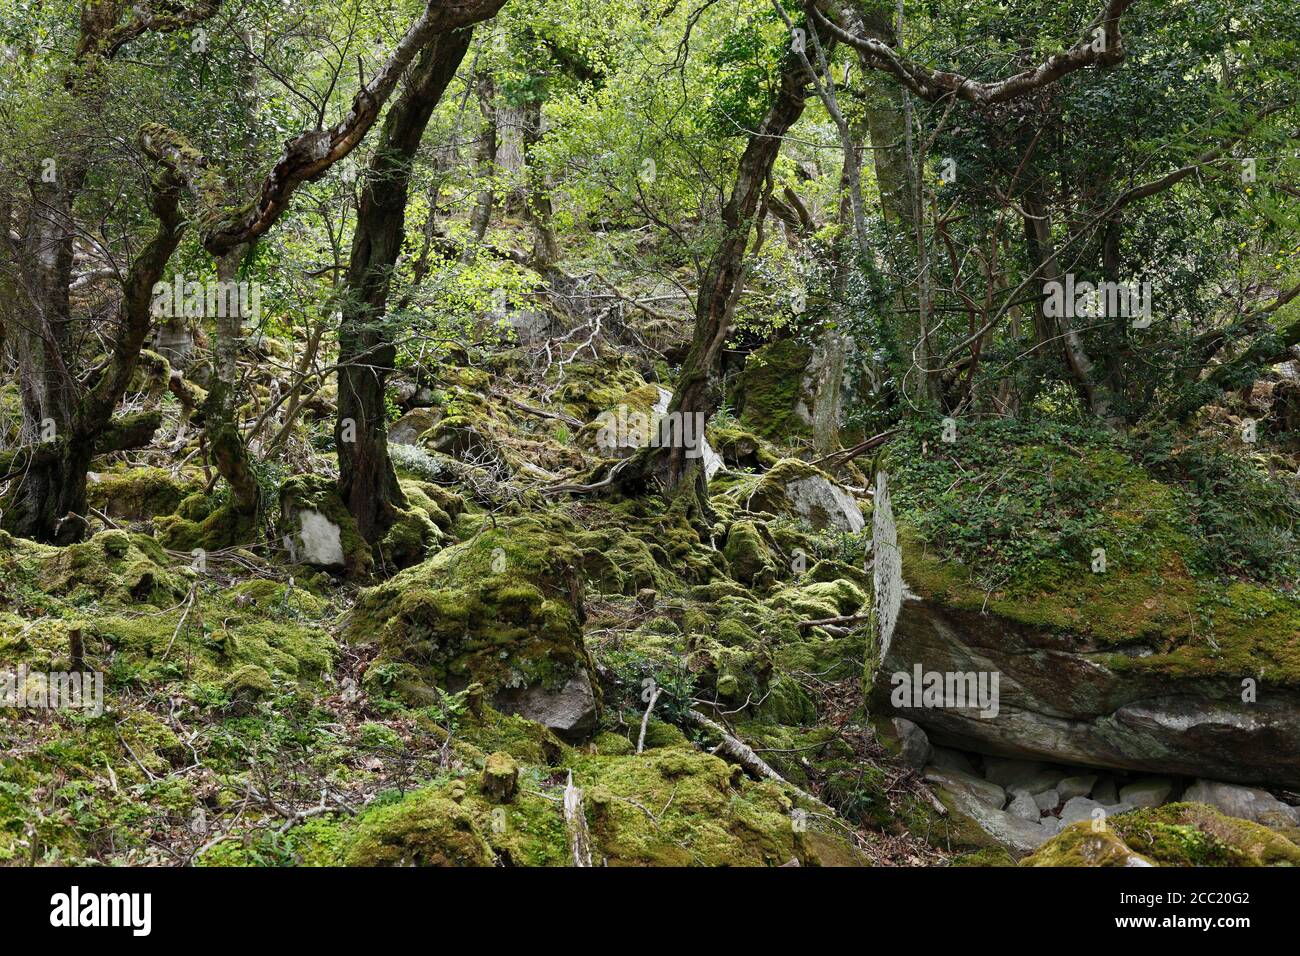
1245,803
914,745
407,429
797,489
1105,793
500,779
978,789
1072,787
1024,806
570,711
321,540
945,758
645,600
1021,774
1147,792
1078,808
1063,700
967,797
1047,800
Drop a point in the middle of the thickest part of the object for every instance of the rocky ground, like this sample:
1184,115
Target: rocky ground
517,676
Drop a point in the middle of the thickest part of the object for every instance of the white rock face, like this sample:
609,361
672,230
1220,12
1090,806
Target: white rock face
322,544
712,460
814,494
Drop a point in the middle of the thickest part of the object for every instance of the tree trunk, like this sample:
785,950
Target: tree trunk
484,162
699,384
367,482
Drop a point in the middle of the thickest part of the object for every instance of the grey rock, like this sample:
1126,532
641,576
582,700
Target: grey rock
1147,792
1079,808
1021,774
569,711
1105,793
913,742
1061,700
1022,805
1246,803
1072,787
977,788
321,540
1018,835
945,758
1047,800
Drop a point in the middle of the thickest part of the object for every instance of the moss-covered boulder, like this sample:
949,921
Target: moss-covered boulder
801,491
1177,834
1106,670
773,396
503,609
425,829
751,560
318,528
136,494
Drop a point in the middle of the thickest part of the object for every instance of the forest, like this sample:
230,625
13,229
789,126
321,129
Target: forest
580,433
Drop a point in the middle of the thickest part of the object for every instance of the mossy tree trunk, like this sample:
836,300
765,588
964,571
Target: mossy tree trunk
367,481
699,384
48,502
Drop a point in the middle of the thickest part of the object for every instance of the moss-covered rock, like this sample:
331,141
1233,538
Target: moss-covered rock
801,491
1177,834
771,396
138,493
424,829
751,560
504,610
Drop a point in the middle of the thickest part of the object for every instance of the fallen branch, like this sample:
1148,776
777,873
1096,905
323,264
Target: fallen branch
745,756
575,824
645,718
834,621
845,455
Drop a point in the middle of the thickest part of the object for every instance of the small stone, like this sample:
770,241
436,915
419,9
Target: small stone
1024,806
1047,800
500,780
1148,792
1079,808
1105,793
914,745
645,599
1072,787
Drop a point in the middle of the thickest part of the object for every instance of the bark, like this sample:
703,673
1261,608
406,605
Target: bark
367,481
48,501
546,250
699,384
485,162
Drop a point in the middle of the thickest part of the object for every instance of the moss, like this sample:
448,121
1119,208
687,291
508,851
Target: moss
1177,834
318,493
740,448
424,829
770,395
139,493
675,806
112,567
218,528
248,683
501,609
500,779
751,561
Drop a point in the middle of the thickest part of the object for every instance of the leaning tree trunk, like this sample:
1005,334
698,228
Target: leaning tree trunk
699,384
367,482
485,163
49,501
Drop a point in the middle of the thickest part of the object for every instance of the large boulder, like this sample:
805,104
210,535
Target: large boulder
1071,693
799,490
504,610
